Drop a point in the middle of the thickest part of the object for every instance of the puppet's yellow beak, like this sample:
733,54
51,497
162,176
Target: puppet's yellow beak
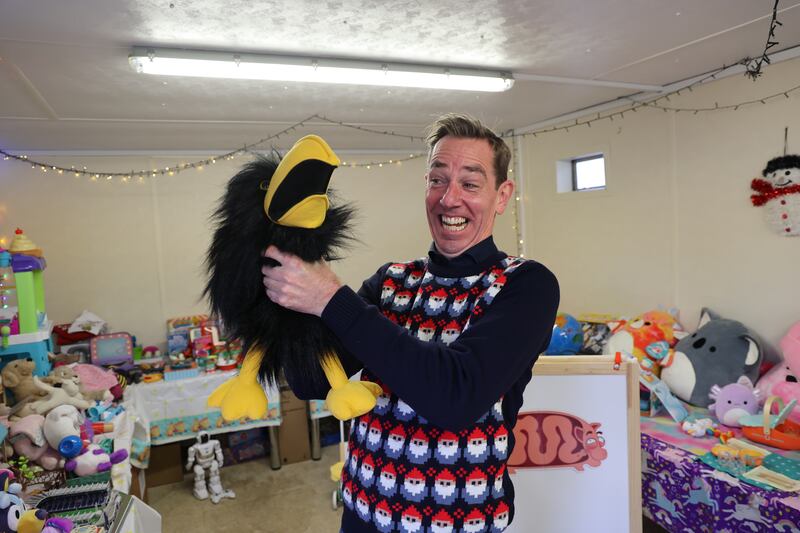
297,193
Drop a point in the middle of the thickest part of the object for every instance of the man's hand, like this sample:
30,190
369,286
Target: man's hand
297,285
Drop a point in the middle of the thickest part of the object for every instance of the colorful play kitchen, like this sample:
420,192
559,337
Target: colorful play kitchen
24,326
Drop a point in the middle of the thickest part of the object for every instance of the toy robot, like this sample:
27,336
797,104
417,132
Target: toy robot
207,454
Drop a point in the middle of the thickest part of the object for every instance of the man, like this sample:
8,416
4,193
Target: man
451,338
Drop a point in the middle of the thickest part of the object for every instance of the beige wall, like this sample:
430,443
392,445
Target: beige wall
675,227
133,253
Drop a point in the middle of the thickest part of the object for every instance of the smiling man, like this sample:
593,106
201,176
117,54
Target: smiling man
453,359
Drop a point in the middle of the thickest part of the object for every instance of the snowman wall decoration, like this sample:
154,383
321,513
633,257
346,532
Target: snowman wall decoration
779,193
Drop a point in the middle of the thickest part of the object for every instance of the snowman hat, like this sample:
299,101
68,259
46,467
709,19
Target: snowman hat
780,163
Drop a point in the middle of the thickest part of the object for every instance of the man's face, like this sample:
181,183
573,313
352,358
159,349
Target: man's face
460,196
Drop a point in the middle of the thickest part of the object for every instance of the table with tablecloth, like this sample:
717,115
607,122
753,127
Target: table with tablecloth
170,411
683,494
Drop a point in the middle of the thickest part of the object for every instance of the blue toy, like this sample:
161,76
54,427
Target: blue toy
567,336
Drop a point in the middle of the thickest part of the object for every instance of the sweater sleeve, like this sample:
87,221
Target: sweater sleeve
304,389
452,386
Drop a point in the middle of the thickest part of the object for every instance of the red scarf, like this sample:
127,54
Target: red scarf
768,192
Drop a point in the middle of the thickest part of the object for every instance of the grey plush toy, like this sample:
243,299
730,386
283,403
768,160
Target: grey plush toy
718,353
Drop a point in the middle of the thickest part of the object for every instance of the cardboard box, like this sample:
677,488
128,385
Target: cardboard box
138,484
290,402
293,438
166,465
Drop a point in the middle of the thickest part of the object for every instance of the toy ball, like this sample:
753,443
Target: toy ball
567,336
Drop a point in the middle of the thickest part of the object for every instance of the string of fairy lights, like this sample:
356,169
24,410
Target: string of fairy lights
662,103
659,103
753,70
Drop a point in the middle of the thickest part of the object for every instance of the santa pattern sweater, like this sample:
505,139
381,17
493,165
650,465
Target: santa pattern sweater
452,343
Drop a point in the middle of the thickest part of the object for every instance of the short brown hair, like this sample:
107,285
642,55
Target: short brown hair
467,127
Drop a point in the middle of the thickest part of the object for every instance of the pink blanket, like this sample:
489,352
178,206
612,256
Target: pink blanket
95,378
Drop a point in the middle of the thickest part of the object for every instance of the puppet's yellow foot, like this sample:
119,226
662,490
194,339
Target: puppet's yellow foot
238,398
353,398
241,396
336,471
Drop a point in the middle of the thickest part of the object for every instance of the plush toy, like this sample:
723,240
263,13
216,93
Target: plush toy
282,203
567,337
699,427
720,351
735,400
18,377
27,437
782,379
96,383
62,429
650,337
63,373
15,517
93,460
779,193
67,394
57,525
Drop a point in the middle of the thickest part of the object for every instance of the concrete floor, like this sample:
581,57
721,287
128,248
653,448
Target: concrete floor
296,498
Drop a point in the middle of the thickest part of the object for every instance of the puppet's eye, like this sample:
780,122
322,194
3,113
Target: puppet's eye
787,172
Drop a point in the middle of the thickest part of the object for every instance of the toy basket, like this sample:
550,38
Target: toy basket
776,430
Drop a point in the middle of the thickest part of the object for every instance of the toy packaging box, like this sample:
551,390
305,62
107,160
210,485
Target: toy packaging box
246,445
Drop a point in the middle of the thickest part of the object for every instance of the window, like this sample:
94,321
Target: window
584,173
589,173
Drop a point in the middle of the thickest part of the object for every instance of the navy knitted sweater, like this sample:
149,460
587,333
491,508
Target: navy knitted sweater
452,343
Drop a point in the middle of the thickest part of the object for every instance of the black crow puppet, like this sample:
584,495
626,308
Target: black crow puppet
280,202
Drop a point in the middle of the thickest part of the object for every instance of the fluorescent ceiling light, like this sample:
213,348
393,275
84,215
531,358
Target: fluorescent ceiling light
168,62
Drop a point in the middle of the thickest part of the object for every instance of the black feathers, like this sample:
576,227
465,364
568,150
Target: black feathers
287,339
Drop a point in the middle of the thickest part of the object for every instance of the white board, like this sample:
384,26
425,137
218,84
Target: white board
556,489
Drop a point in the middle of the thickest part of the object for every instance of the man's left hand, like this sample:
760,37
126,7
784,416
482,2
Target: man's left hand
297,285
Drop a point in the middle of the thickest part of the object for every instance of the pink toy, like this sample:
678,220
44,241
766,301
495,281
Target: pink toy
27,437
94,378
782,379
735,400
551,439
94,459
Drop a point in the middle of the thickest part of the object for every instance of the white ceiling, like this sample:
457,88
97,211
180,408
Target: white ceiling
65,83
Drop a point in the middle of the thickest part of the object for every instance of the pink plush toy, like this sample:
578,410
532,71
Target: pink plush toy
94,459
27,437
782,379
